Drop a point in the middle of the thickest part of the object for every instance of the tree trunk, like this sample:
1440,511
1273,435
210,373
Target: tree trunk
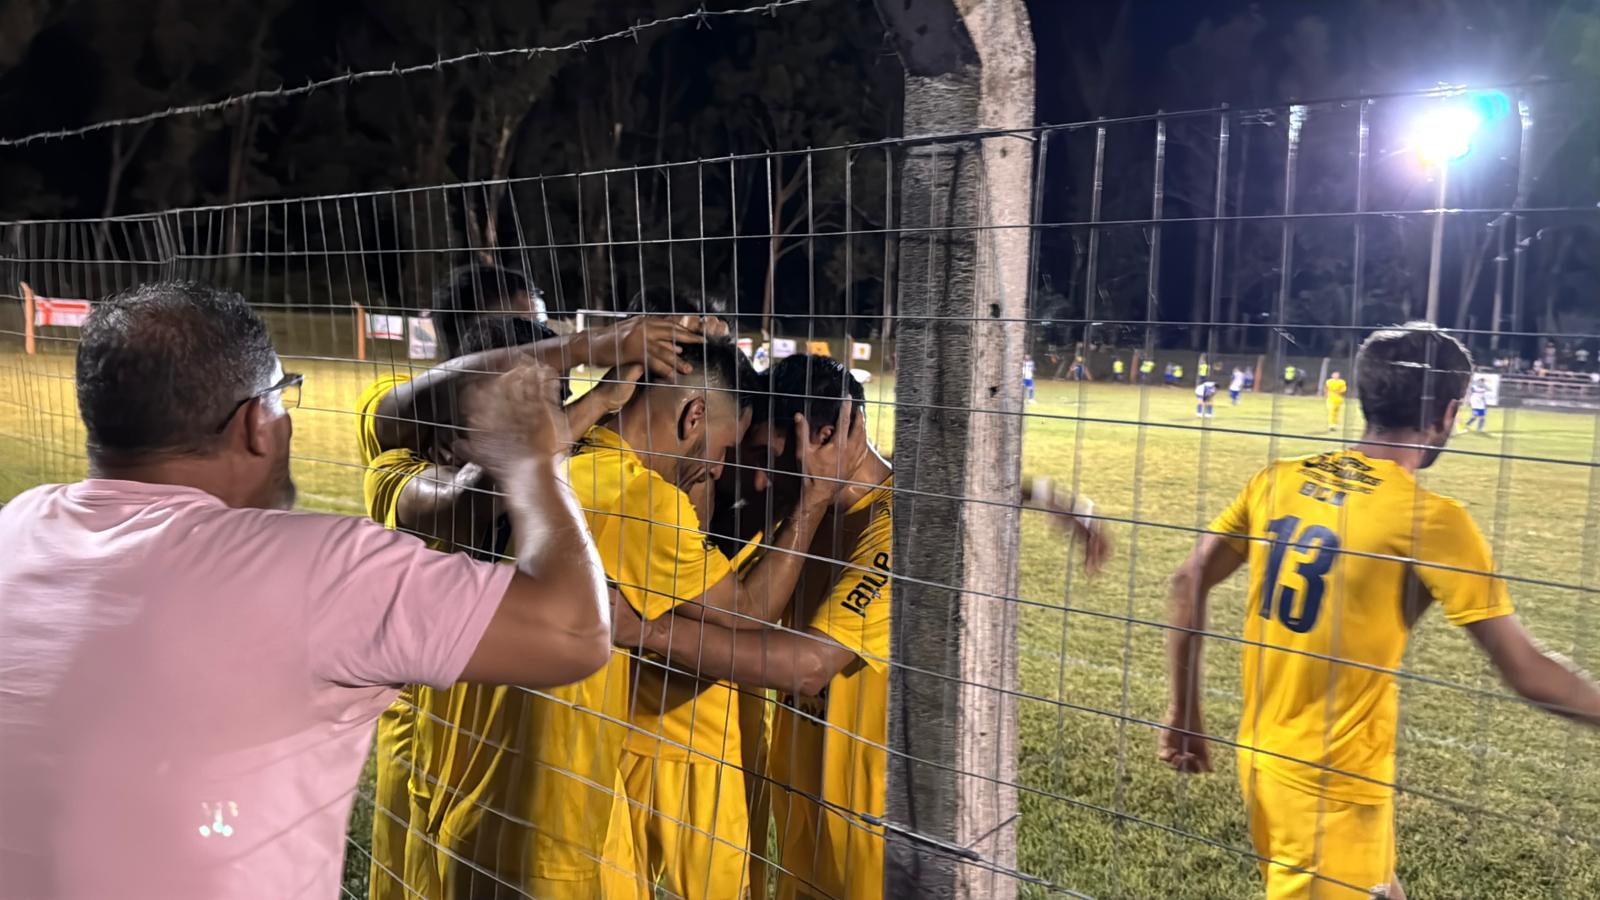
775,249
953,716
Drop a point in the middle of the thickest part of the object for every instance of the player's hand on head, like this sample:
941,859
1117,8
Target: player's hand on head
515,416
829,456
710,326
1182,745
653,341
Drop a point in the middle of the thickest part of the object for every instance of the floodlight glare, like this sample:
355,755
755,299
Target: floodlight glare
1446,133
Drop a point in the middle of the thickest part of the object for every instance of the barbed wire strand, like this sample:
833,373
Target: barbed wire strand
701,16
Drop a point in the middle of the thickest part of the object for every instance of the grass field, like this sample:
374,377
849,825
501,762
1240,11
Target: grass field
1498,800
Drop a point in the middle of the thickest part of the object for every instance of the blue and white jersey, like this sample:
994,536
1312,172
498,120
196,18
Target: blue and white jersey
1478,397
1027,370
1205,390
1237,384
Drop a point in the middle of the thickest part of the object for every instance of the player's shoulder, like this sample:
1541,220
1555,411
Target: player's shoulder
380,386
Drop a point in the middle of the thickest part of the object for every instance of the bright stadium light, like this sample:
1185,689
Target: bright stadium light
1442,135
1445,134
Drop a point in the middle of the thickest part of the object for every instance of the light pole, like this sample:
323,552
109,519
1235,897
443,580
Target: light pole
1444,134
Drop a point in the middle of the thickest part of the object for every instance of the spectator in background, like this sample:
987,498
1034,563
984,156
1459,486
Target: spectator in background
1119,371
1147,368
192,671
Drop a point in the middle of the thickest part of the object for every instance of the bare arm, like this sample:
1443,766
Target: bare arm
1537,674
1213,560
1073,516
408,414
453,506
763,593
765,657
553,625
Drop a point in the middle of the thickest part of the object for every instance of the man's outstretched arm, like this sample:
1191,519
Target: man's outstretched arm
1183,746
792,662
1535,673
407,415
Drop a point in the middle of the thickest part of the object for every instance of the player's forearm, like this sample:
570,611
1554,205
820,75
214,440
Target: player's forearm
586,412
409,413
763,658
554,549
762,595
1555,683
452,506
1186,616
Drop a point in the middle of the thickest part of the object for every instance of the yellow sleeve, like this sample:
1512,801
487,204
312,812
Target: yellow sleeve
386,476
856,613
1233,523
1454,563
665,558
366,418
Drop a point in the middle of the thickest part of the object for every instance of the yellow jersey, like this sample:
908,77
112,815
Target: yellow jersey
652,546
831,746
509,790
394,745
1336,389
1345,551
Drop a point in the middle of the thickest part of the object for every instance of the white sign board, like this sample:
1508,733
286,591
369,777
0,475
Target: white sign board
782,348
424,339
860,351
384,327
69,313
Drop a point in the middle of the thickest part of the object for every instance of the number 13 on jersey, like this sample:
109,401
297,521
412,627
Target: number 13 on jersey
1321,546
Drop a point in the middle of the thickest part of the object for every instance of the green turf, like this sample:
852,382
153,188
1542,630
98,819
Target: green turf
1488,781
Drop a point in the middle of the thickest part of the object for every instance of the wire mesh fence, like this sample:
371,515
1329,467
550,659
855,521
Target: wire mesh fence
1152,355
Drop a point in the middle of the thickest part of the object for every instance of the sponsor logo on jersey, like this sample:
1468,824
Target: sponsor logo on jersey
870,587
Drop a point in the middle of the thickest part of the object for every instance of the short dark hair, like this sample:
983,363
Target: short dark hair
1406,376
161,366
719,365
813,386
464,307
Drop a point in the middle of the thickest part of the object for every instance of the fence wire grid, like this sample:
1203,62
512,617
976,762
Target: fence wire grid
1252,247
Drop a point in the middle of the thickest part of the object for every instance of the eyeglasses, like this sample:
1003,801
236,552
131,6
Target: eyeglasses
288,389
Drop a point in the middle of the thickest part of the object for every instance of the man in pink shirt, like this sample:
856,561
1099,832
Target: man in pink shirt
190,673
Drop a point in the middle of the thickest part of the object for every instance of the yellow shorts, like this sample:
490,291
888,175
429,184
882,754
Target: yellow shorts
690,828
391,799
1319,849
498,859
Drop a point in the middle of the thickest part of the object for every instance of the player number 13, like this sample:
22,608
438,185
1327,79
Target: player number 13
1322,545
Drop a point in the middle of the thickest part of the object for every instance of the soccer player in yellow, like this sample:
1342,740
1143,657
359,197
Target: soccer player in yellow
681,758
1332,542
461,772
828,659
1335,389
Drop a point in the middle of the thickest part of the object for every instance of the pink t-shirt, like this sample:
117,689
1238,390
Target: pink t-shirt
188,691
